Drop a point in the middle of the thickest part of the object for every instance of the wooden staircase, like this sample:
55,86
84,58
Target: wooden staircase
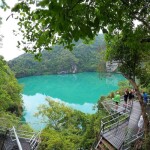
105,145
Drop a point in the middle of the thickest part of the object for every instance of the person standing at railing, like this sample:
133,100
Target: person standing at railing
116,99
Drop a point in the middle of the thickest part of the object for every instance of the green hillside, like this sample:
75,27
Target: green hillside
84,57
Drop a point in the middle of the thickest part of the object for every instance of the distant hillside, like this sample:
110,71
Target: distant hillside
60,61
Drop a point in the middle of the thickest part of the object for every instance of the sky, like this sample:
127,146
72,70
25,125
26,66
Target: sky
9,49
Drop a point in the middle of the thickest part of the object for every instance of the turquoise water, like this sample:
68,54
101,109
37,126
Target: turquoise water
80,91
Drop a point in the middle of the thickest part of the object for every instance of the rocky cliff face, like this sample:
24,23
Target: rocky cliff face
73,70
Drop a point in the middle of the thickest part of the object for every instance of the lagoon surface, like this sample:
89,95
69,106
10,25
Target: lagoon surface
80,91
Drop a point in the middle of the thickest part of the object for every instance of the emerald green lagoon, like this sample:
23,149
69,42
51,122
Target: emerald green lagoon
80,91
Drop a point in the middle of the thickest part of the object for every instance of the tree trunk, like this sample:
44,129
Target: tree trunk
143,107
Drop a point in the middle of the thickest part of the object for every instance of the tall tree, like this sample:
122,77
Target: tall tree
132,56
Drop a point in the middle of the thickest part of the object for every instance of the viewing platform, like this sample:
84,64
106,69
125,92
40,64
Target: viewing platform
119,129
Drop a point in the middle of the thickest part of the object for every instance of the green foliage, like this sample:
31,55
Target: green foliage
10,90
67,128
123,85
111,95
3,4
59,61
64,21
8,120
129,52
146,143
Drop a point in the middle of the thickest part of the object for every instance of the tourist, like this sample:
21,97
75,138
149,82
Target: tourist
140,124
130,97
125,98
116,99
145,98
133,93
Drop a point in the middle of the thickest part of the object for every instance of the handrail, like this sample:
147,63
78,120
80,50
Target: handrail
117,118
103,125
113,115
34,139
17,139
133,138
118,106
113,121
110,102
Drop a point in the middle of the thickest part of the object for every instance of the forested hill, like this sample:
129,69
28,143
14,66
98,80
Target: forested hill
84,57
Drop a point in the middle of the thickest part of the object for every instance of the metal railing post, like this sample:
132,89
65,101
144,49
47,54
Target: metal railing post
17,139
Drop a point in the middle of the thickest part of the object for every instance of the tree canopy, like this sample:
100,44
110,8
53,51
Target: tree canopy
129,52
44,23
10,90
67,128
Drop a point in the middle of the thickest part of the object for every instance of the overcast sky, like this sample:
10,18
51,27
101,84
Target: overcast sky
9,49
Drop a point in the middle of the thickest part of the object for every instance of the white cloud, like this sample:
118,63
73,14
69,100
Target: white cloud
9,49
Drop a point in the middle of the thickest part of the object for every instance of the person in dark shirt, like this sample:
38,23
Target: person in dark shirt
125,98
130,97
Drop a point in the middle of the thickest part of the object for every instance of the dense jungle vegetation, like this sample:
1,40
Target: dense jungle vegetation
84,57
10,90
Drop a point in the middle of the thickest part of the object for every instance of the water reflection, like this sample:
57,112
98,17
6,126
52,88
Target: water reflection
31,104
72,88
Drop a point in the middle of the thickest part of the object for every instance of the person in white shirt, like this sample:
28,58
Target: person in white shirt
140,124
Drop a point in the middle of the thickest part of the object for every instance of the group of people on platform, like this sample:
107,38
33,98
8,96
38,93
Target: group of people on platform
128,96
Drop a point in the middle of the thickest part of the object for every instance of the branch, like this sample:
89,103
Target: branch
75,4
9,16
145,40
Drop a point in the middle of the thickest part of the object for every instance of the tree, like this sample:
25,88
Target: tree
67,128
10,90
1,36
132,56
65,21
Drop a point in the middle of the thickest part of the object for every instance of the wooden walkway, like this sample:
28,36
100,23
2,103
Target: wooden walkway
123,131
